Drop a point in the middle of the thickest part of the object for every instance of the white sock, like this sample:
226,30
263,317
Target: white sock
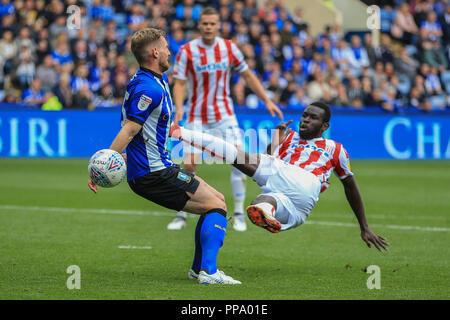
181,215
214,146
237,180
266,207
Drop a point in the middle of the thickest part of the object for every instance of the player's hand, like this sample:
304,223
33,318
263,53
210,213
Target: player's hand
178,115
281,133
274,110
369,237
92,186
124,156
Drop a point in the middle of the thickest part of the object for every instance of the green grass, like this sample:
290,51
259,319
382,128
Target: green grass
318,260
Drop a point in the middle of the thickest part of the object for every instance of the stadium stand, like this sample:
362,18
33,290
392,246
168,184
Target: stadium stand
43,60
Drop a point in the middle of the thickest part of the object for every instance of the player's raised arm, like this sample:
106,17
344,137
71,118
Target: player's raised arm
279,136
255,85
356,203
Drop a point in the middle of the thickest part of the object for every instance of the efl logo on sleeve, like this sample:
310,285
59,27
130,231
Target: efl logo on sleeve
144,102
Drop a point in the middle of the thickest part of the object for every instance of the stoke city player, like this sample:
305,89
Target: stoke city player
292,173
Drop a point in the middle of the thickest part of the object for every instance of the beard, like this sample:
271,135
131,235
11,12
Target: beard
164,64
308,135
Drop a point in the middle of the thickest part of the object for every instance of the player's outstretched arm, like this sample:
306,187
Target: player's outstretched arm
355,201
123,138
252,81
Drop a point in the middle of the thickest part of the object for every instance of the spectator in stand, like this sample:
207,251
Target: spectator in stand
47,74
444,21
405,65
355,93
63,91
404,27
34,94
358,58
378,74
383,51
430,29
341,55
317,87
431,53
61,54
82,99
80,78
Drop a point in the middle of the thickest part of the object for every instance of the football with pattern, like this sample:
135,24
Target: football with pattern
107,168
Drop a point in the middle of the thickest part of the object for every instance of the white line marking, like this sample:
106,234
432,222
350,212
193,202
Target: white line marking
172,214
134,247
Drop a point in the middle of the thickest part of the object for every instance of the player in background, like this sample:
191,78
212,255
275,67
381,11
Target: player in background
292,173
147,114
204,65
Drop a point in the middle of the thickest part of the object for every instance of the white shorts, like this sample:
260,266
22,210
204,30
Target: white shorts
226,129
295,189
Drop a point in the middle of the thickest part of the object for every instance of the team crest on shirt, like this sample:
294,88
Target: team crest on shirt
144,102
184,177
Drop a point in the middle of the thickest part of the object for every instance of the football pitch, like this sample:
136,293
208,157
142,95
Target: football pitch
49,220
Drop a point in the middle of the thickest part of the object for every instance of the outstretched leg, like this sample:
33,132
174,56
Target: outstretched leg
261,212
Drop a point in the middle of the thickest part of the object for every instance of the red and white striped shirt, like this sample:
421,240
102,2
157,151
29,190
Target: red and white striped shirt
207,69
319,156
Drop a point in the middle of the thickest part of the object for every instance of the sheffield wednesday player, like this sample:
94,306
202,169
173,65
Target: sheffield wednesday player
292,173
147,114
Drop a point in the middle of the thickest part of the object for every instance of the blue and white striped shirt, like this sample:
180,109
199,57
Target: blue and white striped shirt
148,102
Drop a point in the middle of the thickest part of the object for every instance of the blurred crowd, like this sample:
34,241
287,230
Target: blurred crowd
76,54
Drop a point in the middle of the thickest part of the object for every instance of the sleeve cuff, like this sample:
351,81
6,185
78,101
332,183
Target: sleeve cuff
137,120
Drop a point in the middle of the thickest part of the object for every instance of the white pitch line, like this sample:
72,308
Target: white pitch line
134,247
170,214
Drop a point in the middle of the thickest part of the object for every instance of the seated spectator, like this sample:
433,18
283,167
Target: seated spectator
34,94
390,103
106,97
404,27
62,54
433,54
383,51
418,99
355,93
341,54
432,82
299,99
375,99
378,74
371,54
430,29
358,57
387,16
8,48
47,74
317,87
444,21
405,65
26,68
63,91
80,78
83,98
341,100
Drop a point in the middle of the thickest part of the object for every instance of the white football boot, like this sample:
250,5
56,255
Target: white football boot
239,223
217,278
178,223
192,274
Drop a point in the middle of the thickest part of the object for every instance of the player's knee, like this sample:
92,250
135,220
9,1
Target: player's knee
216,203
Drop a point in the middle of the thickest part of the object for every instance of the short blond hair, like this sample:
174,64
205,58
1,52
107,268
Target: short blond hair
142,39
